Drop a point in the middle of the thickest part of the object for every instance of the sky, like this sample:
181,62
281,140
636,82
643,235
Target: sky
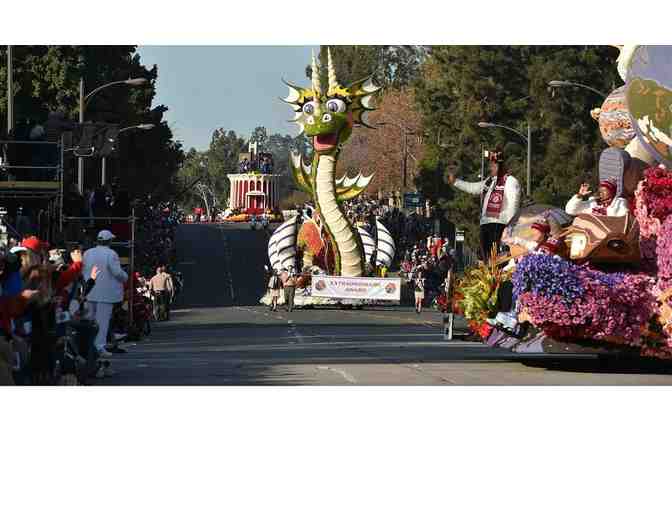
230,87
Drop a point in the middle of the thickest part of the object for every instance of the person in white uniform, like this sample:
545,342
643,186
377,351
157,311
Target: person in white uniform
605,203
109,288
501,201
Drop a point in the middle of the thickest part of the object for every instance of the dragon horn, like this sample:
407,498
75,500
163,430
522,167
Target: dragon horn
317,86
333,81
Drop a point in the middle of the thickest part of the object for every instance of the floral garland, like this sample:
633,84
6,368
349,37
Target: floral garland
570,301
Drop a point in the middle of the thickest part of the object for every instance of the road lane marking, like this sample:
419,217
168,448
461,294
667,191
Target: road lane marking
348,377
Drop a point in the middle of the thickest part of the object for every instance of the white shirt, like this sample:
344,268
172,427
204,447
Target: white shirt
576,205
511,197
109,286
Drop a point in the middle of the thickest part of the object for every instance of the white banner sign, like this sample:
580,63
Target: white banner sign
388,289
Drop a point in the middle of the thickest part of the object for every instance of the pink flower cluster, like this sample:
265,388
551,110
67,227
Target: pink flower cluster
653,200
613,313
648,225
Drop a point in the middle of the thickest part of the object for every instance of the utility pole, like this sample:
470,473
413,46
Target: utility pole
404,162
80,159
481,176
529,160
10,92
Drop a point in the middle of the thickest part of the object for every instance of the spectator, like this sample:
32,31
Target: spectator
419,290
274,284
161,285
290,289
109,286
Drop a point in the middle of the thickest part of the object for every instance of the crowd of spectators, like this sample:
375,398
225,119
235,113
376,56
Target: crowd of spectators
427,263
155,235
43,288
407,228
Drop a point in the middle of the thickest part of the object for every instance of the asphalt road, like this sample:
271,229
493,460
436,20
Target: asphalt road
219,335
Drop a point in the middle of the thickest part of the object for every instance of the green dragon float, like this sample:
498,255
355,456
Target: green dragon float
327,116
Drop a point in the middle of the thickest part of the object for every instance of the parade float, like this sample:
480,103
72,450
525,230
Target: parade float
334,260
609,288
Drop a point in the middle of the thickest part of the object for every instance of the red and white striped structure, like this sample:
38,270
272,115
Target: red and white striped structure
254,191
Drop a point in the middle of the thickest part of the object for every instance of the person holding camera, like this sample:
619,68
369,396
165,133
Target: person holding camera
501,196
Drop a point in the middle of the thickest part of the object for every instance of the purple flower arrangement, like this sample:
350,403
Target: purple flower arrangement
572,301
547,276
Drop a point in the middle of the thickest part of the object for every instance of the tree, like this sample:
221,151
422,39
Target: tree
47,79
208,197
260,136
461,86
381,150
222,159
392,66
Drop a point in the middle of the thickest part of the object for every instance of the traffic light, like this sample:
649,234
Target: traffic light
95,139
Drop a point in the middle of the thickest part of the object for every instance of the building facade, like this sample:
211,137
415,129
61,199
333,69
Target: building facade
254,191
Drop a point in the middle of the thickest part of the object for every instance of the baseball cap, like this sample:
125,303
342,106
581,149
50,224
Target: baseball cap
34,244
18,249
105,235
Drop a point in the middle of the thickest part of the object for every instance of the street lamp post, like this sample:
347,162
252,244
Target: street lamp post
10,93
528,140
131,82
143,127
564,83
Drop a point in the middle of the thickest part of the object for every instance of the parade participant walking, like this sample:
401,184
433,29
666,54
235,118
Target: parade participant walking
290,289
605,204
161,285
501,201
419,290
274,284
109,288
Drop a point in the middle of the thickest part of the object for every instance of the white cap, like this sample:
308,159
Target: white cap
18,249
105,235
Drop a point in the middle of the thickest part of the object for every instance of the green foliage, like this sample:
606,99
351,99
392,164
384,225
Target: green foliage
46,79
478,289
260,136
222,159
464,85
392,66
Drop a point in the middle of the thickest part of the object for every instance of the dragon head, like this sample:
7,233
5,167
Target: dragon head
329,116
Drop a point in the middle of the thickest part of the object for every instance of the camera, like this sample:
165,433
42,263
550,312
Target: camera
494,156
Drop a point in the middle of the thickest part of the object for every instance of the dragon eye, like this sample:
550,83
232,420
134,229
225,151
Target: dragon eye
335,106
309,108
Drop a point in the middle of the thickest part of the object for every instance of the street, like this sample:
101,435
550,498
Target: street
220,335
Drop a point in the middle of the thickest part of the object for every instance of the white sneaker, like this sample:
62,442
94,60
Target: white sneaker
100,373
104,354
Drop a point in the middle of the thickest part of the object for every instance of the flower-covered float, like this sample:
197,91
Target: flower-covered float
609,289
